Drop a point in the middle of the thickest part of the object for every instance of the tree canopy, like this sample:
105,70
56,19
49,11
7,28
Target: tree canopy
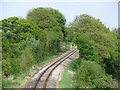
59,18
106,47
43,19
96,43
29,41
47,19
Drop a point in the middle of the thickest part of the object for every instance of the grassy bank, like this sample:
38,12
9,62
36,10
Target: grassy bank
67,78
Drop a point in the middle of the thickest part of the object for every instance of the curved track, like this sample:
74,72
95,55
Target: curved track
43,78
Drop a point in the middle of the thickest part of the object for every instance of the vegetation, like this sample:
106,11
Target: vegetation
0,74
98,64
0,59
31,41
26,43
60,20
66,80
90,74
47,21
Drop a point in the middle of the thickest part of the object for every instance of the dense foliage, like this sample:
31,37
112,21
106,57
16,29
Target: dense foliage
90,74
48,19
15,33
98,48
59,18
0,60
26,43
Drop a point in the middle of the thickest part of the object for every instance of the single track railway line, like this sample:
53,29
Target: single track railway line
42,79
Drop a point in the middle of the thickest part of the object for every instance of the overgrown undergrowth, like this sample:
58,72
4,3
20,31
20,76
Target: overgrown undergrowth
19,80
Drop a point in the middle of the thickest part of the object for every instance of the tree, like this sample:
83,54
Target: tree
20,40
69,34
19,28
103,40
91,75
43,18
59,18
15,30
86,46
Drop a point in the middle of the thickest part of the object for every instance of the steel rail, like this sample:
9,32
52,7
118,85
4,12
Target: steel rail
51,68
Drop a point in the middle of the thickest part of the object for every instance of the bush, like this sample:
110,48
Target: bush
11,66
91,74
86,47
6,67
105,82
74,65
27,58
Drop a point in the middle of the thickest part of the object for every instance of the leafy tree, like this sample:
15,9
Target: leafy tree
43,18
20,39
0,24
86,47
106,48
14,30
69,34
26,43
59,18
90,74
95,43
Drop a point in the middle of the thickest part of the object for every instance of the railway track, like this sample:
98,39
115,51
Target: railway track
41,80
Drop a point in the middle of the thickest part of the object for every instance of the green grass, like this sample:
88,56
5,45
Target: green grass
67,80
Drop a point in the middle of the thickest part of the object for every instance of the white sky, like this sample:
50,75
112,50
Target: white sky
59,0
105,10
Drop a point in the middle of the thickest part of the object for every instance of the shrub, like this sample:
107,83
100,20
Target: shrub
27,58
91,74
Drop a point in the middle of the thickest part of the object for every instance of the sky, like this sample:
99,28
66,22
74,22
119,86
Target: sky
106,11
119,14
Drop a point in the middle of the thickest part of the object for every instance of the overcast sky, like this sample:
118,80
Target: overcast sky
107,12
